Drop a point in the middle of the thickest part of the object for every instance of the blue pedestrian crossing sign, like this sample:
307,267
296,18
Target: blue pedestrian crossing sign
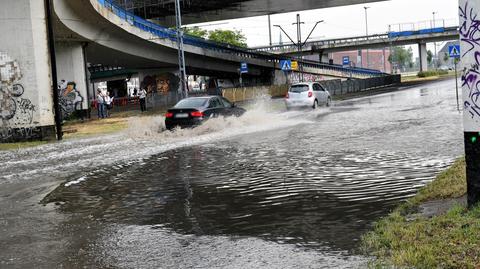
454,51
346,60
286,65
243,68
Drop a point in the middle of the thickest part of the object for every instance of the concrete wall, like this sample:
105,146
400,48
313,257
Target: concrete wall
72,78
26,101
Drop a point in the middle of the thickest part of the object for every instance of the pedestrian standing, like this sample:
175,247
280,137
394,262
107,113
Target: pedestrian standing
100,104
143,95
108,104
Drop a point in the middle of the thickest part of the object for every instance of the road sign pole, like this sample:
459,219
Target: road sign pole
456,83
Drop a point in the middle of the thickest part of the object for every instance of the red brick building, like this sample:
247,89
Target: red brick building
377,59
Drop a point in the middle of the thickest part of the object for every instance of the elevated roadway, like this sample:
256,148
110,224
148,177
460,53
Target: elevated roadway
195,11
118,38
364,42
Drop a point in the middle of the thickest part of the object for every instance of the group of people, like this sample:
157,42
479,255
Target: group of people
104,104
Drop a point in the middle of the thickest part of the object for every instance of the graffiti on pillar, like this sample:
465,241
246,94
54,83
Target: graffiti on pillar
163,84
295,77
470,41
469,28
16,110
70,99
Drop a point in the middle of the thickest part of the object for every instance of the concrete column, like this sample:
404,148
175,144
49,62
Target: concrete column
26,102
324,58
422,49
71,77
359,59
281,78
469,49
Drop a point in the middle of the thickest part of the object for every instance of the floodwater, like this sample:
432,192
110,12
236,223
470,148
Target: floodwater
272,189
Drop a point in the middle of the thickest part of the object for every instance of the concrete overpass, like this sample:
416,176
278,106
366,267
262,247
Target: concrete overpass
323,47
360,42
195,11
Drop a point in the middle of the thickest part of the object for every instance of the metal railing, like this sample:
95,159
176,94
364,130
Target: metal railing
170,34
386,37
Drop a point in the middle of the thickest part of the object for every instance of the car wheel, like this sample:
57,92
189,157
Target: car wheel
315,104
329,101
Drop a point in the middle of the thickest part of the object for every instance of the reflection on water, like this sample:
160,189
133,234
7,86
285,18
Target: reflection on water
308,199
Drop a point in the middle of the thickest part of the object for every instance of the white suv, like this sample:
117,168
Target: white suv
307,94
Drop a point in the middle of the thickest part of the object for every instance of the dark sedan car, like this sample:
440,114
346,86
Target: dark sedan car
193,111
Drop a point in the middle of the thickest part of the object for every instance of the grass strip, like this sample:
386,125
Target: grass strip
450,240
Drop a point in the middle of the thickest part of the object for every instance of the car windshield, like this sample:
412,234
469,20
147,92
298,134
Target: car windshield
192,103
299,88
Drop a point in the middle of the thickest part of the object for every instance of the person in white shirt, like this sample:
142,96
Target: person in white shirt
100,104
108,104
143,95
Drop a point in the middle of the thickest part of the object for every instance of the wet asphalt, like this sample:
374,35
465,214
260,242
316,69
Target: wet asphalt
272,189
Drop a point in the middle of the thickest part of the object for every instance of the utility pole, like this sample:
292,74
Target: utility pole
435,60
366,33
299,44
181,53
53,63
269,30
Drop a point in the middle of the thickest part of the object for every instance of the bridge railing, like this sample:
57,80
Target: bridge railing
355,39
170,34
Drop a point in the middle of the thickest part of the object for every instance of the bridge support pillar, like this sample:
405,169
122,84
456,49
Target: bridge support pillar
26,102
324,58
422,49
71,73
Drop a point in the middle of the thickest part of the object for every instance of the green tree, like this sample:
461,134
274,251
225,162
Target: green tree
429,57
195,31
446,57
235,38
401,57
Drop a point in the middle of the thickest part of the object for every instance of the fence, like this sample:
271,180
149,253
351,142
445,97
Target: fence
250,93
335,87
338,87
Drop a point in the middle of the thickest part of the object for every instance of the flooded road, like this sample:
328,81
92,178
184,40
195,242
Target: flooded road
272,189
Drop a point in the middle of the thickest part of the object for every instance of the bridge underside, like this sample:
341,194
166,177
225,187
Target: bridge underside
195,11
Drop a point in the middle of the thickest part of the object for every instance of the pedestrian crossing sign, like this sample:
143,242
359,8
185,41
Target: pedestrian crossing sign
286,65
454,51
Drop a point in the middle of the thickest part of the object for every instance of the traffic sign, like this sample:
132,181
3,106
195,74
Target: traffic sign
454,51
286,65
346,60
294,65
243,68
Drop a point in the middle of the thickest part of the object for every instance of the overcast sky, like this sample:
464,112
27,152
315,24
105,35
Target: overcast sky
347,21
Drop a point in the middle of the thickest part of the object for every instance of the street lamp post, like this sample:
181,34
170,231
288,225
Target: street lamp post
181,53
435,60
299,44
366,33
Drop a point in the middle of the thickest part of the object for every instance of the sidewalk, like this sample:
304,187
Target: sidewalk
118,121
